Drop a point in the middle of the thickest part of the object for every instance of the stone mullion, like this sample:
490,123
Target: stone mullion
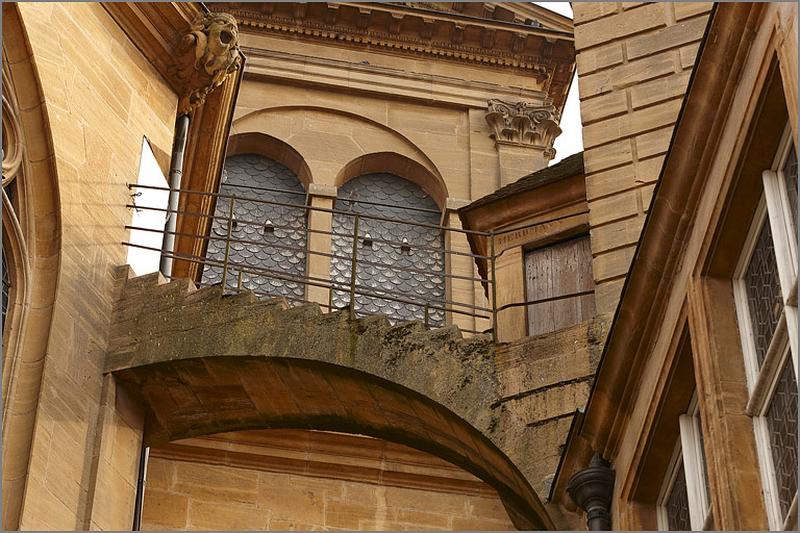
319,266
730,447
460,290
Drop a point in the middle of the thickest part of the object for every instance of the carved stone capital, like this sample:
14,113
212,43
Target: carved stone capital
206,55
523,124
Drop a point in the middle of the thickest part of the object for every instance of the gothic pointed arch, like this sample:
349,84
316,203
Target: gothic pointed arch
31,249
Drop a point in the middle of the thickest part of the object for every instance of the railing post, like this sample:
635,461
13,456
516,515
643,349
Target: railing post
353,268
239,281
427,313
227,245
494,288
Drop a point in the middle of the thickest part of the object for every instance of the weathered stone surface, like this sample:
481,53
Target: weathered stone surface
205,362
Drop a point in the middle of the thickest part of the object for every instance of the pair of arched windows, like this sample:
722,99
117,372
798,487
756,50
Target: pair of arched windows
399,250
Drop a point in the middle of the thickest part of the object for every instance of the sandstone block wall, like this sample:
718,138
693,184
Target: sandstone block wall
634,62
102,97
278,480
544,380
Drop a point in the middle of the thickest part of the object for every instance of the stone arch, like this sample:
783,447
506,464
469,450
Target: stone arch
399,165
248,364
269,235
329,139
402,269
273,148
36,233
380,409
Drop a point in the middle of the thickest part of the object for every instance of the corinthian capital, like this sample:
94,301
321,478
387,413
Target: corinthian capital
206,55
523,124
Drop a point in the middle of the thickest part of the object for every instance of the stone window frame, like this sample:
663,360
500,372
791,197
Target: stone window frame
689,454
773,209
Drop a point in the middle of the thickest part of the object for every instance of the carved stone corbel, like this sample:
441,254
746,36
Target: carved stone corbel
206,55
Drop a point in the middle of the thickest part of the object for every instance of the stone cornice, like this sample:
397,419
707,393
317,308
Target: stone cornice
547,55
370,78
367,460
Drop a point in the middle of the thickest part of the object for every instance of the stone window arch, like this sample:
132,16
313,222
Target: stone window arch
400,265
268,241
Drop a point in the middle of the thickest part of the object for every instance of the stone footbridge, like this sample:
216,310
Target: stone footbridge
203,362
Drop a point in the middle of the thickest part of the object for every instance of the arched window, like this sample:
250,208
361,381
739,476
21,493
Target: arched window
268,241
12,167
400,265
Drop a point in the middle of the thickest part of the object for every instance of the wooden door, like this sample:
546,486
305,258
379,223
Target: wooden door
560,269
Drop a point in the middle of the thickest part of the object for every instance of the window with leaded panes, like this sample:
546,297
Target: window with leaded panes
766,298
685,504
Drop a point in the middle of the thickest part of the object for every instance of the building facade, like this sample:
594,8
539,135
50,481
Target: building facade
360,297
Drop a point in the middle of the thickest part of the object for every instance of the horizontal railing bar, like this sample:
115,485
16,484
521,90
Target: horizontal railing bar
323,283
546,300
312,252
315,208
329,307
306,193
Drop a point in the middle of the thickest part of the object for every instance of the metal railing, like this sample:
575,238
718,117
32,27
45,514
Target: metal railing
452,309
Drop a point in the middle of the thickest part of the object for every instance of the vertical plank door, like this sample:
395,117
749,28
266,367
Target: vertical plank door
556,270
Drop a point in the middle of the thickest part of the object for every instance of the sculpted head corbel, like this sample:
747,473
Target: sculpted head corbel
206,55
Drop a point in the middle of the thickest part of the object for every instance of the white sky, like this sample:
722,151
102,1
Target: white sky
570,141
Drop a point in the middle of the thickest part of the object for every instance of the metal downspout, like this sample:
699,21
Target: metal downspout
175,175
167,247
140,479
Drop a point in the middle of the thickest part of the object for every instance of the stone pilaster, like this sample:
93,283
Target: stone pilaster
319,240
524,134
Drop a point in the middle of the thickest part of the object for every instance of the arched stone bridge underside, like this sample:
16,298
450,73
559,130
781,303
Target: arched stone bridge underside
204,363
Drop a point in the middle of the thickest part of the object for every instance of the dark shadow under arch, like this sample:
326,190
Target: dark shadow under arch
272,148
399,165
200,396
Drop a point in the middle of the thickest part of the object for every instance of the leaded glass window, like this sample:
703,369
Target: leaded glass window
765,281
399,257
677,503
764,298
268,240
790,178
782,423
685,503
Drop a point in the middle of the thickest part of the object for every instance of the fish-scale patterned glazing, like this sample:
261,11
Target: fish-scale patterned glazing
415,274
275,234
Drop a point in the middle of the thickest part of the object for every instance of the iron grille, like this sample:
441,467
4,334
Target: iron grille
782,423
677,505
264,236
763,287
402,258
790,175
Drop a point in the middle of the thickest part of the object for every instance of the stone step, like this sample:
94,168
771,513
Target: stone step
140,283
186,292
204,294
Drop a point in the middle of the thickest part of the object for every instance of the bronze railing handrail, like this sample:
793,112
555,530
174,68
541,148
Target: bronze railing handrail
352,287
